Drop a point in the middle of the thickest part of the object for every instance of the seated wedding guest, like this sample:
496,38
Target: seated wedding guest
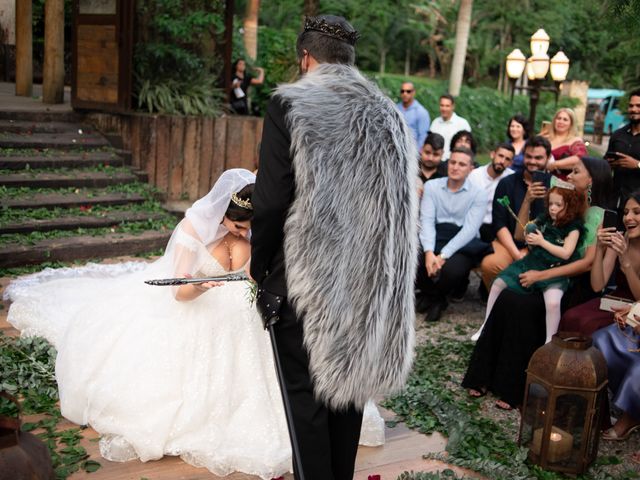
614,251
566,146
552,239
518,133
620,345
451,213
464,139
488,177
516,187
431,156
516,326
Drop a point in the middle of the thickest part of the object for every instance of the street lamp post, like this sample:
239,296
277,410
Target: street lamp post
537,66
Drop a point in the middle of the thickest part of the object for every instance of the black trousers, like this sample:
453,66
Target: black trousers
328,439
454,273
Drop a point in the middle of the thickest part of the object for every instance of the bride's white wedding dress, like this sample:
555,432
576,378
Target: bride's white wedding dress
155,376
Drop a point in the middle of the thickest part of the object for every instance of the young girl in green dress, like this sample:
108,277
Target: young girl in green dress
552,239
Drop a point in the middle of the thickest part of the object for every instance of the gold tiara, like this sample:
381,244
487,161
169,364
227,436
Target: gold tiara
240,202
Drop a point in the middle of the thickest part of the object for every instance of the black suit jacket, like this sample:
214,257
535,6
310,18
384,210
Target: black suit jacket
272,197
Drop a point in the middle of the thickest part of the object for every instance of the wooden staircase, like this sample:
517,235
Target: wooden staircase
66,194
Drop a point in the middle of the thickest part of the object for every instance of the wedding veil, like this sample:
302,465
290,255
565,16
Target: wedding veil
201,226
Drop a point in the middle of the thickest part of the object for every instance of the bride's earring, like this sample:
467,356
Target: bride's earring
589,194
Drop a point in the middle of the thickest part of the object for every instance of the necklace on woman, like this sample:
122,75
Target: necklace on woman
229,251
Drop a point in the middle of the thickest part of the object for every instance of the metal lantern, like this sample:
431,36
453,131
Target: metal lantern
22,455
565,391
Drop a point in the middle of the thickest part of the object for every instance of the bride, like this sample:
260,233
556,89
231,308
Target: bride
170,370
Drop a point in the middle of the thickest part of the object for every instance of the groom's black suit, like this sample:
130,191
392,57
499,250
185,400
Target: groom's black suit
328,439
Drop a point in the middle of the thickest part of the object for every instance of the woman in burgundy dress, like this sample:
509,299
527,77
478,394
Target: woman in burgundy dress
566,146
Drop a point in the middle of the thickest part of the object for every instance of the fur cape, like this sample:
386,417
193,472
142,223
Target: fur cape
351,234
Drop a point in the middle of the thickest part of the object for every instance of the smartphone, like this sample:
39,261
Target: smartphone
610,219
611,156
539,176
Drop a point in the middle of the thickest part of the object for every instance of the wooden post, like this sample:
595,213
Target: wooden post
24,48
53,70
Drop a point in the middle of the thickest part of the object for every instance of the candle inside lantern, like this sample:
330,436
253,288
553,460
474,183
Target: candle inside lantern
560,444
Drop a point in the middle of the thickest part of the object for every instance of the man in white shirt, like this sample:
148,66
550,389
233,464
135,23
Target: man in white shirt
487,178
448,123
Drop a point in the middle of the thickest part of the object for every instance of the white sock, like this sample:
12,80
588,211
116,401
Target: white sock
552,299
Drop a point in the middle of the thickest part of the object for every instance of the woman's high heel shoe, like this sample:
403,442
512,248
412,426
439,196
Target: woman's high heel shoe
612,435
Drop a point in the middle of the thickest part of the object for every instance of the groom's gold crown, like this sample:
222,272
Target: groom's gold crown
240,202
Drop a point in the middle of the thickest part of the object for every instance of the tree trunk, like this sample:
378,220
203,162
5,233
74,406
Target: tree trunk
383,59
311,8
24,48
462,39
251,28
53,69
407,61
432,66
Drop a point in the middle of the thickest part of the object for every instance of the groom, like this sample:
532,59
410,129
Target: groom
335,233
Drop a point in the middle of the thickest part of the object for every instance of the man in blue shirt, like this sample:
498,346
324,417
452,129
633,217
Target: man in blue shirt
451,214
415,114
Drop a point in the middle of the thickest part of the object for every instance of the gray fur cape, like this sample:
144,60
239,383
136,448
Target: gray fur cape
351,234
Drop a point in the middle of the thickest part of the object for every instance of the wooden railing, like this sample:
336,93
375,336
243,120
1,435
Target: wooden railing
184,156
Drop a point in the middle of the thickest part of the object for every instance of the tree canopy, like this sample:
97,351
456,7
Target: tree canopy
418,36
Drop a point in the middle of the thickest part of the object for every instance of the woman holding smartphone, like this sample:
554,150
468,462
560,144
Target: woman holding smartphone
617,252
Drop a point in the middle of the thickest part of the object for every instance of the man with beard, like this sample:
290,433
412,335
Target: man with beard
334,237
431,156
623,153
487,178
516,187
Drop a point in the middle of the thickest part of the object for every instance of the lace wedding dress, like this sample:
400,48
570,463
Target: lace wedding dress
155,376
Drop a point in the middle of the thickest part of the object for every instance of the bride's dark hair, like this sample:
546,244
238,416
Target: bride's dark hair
239,213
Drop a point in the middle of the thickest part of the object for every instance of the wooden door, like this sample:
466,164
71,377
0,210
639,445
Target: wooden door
102,54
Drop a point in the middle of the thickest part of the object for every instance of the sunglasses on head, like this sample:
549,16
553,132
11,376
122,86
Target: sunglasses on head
406,91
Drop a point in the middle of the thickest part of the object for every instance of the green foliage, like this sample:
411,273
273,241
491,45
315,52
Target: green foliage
26,370
176,66
433,401
180,98
276,51
27,367
600,38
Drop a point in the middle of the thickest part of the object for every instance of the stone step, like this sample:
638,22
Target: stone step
52,140
61,159
53,200
27,127
83,247
71,222
27,116
75,179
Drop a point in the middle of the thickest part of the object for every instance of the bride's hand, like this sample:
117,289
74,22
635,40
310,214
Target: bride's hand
203,287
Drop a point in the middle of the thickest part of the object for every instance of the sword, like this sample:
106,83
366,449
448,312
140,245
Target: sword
164,282
295,448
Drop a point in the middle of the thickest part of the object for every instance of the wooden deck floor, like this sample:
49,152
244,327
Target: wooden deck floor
402,451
